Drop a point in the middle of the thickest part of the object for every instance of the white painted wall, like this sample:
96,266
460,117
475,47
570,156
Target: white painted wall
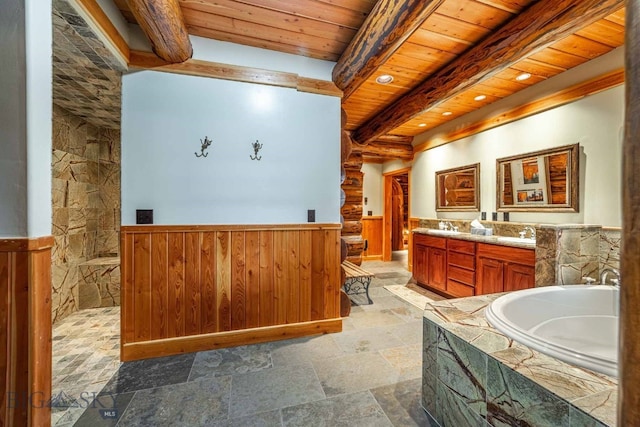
164,116
372,188
247,56
25,118
39,41
596,122
115,16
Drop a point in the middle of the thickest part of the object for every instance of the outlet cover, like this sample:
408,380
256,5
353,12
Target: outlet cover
505,216
483,216
311,215
494,216
144,216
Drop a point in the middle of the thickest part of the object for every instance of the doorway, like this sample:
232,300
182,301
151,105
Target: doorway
395,224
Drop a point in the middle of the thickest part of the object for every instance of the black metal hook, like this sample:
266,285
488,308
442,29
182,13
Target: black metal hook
205,144
256,147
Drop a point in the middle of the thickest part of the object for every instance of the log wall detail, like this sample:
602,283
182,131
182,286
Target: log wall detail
351,210
25,331
191,288
629,346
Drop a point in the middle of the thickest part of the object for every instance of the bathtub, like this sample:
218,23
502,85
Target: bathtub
576,323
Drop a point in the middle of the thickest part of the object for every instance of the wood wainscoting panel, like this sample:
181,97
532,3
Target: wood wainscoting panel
372,233
413,223
25,331
192,281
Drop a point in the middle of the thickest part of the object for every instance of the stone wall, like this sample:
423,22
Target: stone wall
86,203
610,248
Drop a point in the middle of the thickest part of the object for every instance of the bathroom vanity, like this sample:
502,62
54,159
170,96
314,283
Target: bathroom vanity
463,264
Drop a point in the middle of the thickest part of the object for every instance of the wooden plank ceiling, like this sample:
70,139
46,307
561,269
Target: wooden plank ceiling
324,28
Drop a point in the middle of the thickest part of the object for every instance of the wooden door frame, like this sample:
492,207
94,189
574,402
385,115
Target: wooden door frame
387,214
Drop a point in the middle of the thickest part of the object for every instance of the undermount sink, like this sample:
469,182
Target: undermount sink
516,240
443,232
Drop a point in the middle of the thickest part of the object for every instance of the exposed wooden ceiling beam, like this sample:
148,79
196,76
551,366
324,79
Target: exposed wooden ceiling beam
543,23
388,25
163,24
197,67
379,149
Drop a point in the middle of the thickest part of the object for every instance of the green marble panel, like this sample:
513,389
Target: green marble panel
463,369
453,411
513,400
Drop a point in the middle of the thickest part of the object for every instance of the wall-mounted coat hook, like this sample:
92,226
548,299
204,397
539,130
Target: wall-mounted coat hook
256,147
205,144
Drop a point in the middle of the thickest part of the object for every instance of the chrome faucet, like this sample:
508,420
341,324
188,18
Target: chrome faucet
523,233
604,273
449,226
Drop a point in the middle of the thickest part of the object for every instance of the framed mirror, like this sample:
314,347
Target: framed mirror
539,181
458,189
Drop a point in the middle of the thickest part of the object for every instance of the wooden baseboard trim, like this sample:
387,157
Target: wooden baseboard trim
372,258
214,341
25,244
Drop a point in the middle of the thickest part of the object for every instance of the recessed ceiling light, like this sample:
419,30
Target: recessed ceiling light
480,97
384,79
421,125
523,76
447,113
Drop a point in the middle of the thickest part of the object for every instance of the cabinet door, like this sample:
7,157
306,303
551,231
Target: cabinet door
518,276
420,261
437,268
489,276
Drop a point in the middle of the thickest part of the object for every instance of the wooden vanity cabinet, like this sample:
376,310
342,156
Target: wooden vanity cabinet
461,268
504,268
430,261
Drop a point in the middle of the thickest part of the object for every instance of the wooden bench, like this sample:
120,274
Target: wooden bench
357,280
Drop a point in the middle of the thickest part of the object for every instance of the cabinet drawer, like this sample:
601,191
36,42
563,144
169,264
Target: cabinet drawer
462,246
433,241
461,275
462,260
507,253
459,289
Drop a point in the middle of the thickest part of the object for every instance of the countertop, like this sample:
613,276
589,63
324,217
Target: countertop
591,392
494,240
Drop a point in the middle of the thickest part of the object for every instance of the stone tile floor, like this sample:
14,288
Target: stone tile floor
86,354
367,375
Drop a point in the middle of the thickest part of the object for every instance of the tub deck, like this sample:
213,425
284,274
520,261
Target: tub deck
473,373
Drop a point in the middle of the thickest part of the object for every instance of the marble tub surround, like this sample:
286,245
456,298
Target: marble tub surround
473,374
610,238
85,200
567,253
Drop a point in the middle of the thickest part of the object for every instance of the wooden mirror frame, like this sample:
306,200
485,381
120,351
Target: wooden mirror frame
462,184
560,168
